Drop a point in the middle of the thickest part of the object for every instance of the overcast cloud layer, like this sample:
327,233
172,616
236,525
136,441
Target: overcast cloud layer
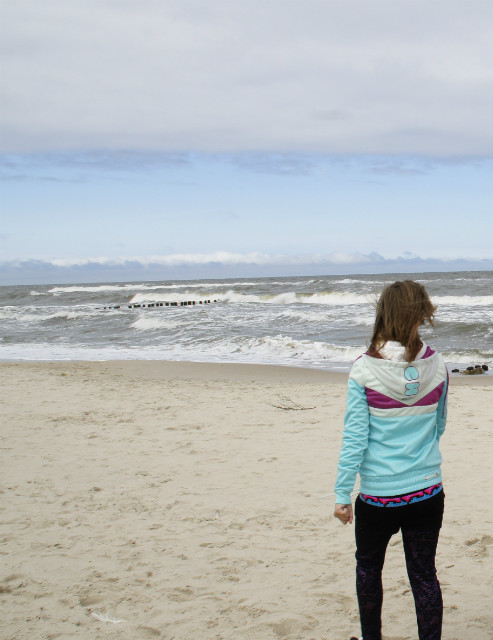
338,77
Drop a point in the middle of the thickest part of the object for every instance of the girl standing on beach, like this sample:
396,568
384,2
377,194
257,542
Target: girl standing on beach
396,413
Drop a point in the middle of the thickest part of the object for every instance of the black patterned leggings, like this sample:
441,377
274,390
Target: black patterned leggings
420,526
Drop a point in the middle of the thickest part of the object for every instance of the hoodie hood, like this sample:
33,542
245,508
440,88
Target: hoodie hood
395,351
405,382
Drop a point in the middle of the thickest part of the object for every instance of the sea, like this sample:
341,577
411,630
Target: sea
322,322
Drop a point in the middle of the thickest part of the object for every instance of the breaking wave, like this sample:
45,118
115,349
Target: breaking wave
154,324
463,301
287,298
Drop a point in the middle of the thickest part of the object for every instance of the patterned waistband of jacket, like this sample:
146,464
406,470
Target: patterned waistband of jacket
401,501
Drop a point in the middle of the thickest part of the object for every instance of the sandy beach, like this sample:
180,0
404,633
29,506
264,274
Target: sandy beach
193,502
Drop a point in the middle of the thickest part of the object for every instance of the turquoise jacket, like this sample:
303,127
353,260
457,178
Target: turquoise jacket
396,412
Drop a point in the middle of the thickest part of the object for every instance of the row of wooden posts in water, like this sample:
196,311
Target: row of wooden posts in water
153,305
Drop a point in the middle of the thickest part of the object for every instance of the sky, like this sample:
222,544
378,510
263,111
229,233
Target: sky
163,139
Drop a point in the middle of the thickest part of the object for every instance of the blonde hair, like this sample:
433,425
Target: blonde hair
402,308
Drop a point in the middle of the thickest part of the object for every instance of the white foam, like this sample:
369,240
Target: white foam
268,350
69,315
355,281
279,349
154,324
122,288
468,357
363,321
338,299
42,314
18,314
287,298
144,298
474,316
282,349
463,301
208,285
307,315
99,288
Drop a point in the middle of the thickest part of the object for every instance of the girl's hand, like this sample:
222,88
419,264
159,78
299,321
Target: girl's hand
344,513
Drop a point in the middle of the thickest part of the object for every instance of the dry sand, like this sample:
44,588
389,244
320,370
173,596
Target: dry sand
192,502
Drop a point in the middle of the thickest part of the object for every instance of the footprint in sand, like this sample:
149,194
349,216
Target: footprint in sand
479,546
88,601
182,595
12,583
149,632
286,627
290,626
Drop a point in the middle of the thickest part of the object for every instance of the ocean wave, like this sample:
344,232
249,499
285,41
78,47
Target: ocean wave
186,291
68,315
469,358
278,349
366,282
268,350
154,324
287,298
360,321
208,285
292,297
145,298
286,348
122,288
455,317
100,288
307,315
43,314
20,315
463,301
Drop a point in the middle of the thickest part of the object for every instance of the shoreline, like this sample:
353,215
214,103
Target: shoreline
232,371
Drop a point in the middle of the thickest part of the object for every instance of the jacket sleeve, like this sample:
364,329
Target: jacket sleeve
442,409
354,441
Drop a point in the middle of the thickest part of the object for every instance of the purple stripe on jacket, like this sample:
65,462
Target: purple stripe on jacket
378,400
428,353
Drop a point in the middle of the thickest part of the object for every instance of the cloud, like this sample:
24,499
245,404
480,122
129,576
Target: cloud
222,264
224,258
283,76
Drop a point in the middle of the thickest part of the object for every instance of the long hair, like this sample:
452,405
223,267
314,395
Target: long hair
402,308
